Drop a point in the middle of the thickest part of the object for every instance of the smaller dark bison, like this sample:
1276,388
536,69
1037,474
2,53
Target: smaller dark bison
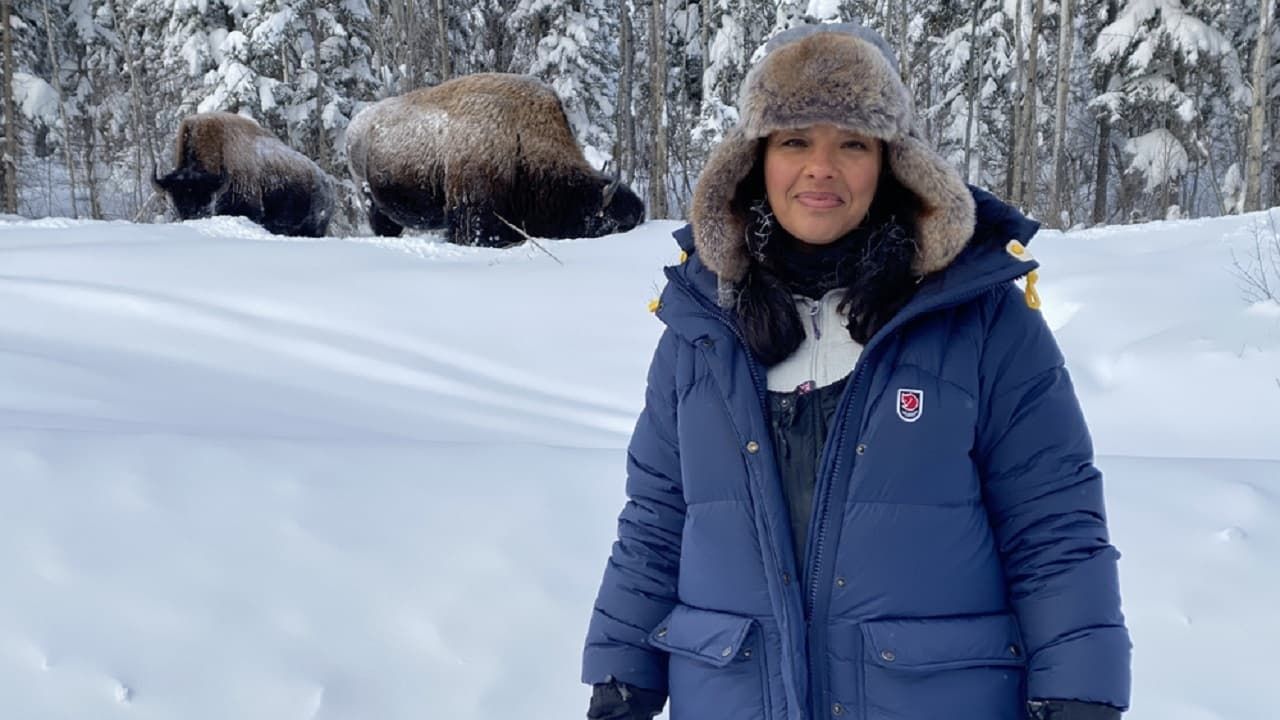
227,164
469,153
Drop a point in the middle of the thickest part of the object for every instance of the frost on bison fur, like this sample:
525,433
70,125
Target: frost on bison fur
463,154
227,164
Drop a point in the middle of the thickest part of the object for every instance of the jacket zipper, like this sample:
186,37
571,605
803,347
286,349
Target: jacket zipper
817,645
817,642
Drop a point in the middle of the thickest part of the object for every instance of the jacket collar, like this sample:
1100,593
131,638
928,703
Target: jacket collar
983,263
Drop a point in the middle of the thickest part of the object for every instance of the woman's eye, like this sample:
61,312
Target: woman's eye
855,144
793,142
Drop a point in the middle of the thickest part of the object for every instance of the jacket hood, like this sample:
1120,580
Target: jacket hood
995,223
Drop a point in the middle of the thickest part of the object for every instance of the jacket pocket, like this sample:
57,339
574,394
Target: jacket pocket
926,668
716,668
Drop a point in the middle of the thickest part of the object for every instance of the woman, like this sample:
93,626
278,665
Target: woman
861,485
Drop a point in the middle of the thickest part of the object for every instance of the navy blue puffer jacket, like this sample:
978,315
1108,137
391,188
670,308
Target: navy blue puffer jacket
958,549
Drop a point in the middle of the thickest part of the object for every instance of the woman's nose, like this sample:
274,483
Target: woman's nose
820,164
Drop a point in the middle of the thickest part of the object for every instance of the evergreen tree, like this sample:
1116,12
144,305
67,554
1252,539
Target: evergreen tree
1162,54
576,54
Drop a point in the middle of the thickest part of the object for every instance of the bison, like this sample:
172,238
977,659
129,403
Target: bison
227,164
468,154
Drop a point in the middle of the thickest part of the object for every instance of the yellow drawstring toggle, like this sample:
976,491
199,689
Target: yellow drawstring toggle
1033,297
1018,250
654,304
683,256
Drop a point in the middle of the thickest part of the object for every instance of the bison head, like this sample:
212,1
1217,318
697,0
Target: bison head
618,208
192,190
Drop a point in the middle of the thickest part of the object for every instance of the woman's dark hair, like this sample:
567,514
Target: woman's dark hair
875,275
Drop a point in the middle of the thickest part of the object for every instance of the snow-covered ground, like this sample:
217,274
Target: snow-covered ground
249,477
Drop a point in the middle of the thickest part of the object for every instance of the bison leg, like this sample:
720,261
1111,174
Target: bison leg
382,225
233,203
478,225
401,206
287,210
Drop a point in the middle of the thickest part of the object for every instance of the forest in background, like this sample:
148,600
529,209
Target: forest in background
1081,112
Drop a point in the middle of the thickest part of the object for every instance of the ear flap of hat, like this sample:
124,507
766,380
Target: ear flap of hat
946,219
718,230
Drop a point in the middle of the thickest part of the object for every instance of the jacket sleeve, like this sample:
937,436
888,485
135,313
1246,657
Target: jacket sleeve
1045,501
639,585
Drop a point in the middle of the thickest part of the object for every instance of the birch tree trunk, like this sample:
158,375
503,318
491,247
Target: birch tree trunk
10,117
1030,101
1066,34
973,93
1257,113
1013,180
658,109
442,39
626,117
62,109
126,37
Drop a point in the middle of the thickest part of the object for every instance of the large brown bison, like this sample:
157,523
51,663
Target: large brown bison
227,164
466,154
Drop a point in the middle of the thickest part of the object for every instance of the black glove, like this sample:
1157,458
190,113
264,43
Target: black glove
1070,710
619,701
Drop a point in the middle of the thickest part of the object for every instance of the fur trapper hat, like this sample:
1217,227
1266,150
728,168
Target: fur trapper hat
845,75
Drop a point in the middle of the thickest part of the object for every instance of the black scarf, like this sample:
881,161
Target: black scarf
872,263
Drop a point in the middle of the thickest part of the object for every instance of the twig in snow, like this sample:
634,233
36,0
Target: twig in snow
527,237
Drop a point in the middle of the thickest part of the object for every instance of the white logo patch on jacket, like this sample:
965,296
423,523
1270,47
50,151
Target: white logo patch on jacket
910,404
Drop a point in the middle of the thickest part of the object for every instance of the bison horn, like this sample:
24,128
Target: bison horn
609,190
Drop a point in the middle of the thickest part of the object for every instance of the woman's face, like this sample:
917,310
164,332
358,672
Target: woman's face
820,180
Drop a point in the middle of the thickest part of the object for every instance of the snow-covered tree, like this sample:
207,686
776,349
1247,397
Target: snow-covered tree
1162,54
576,54
736,31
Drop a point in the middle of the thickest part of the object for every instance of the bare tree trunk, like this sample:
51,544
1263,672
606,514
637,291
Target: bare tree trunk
973,92
1272,156
1102,171
403,14
1013,181
904,52
62,109
90,177
1066,34
1207,154
688,116
1102,167
704,35
126,36
626,116
1168,185
658,109
10,117
442,40
1030,102
1127,189
377,40
1257,113
318,141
